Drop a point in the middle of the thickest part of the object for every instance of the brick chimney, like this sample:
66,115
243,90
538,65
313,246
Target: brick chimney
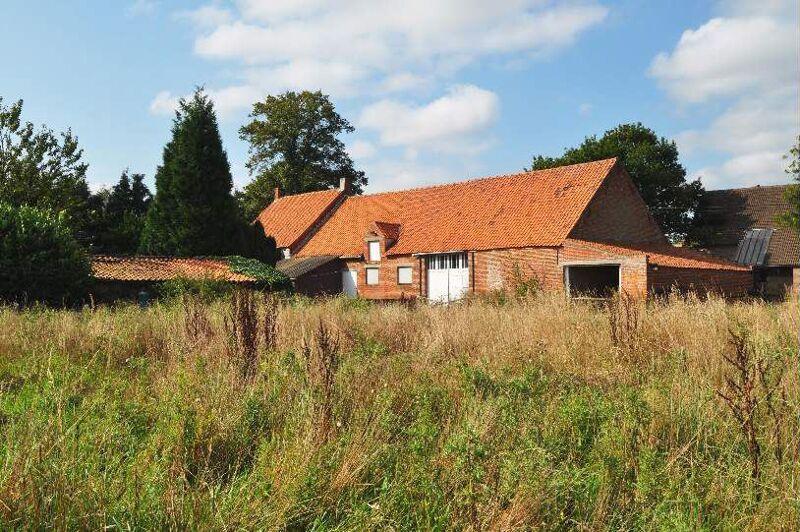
277,194
344,184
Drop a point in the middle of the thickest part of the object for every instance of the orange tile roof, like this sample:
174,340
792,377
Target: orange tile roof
388,230
163,269
667,255
527,209
288,218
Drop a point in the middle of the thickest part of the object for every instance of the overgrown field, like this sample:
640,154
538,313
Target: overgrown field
536,413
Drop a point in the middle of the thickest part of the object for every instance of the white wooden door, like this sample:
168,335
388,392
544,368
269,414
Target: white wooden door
448,277
350,282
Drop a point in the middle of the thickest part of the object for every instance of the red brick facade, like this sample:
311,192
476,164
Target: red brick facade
731,283
633,267
499,269
617,213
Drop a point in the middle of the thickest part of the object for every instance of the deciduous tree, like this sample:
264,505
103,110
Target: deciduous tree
791,218
40,261
654,166
295,145
41,168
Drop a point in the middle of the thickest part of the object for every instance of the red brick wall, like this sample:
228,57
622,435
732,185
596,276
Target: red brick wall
617,213
725,282
497,269
387,287
634,267
327,279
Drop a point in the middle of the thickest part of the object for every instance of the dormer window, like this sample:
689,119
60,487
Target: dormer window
374,251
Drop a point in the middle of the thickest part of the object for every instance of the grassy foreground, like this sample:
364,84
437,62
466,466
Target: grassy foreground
533,414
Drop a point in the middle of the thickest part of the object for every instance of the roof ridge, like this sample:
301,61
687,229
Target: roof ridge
309,193
483,178
754,187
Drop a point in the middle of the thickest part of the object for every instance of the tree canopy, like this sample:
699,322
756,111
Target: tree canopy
193,211
41,168
118,215
654,166
791,218
295,145
40,261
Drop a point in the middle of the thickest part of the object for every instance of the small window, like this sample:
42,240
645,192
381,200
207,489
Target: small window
372,276
404,275
374,251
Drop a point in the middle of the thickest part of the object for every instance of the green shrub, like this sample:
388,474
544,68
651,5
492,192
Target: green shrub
266,276
205,289
40,261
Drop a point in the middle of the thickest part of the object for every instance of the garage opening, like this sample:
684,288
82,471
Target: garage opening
592,281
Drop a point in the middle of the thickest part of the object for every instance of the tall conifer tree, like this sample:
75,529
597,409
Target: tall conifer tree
193,212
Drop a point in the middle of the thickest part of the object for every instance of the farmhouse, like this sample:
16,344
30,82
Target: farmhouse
579,229
741,225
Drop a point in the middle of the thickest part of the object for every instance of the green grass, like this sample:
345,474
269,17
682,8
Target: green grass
477,416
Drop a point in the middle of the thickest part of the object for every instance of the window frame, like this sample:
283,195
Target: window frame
370,257
377,275
410,274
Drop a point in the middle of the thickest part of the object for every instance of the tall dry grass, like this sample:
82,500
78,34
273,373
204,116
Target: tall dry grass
537,413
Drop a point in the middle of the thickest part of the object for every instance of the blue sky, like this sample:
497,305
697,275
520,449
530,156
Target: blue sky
437,90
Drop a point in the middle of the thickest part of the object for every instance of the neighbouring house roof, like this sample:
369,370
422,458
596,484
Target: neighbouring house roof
667,255
163,269
296,266
536,208
289,218
728,215
753,248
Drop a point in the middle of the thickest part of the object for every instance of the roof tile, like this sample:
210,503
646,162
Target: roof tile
536,208
163,269
729,214
667,255
289,218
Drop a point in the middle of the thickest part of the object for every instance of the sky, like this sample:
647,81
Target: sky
438,90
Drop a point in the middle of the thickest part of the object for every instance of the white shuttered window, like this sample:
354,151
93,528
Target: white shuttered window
372,276
374,251
404,275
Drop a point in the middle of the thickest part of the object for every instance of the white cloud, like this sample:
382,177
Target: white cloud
748,60
396,174
227,101
332,77
360,150
402,82
448,124
164,103
206,17
585,108
348,48
140,8
726,56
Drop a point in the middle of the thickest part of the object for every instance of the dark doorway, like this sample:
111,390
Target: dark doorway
592,281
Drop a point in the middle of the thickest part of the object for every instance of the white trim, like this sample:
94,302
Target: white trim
591,263
439,252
